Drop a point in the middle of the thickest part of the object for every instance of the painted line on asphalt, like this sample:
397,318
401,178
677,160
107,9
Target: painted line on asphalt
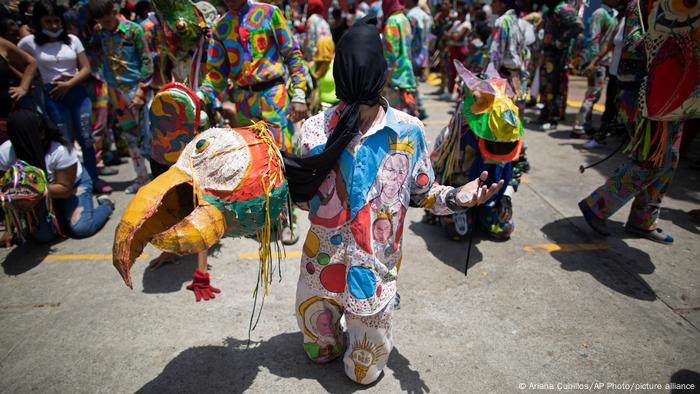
578,104
284,255
64,257
565,247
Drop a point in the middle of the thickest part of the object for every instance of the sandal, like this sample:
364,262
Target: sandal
656,235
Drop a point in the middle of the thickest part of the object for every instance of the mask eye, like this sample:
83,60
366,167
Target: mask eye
201,146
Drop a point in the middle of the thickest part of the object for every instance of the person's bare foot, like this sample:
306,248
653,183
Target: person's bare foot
163,259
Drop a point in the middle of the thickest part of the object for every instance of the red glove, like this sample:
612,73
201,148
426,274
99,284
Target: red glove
201,287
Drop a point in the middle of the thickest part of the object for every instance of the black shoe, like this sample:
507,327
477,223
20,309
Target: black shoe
597,224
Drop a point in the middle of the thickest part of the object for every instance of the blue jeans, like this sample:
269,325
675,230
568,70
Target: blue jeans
73,115
77,215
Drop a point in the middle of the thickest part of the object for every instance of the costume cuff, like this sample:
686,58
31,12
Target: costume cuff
299,96
451,201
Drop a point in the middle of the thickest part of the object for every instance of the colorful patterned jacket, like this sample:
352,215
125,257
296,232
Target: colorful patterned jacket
124,56
352,252
397,51
601,27
251,46
507,42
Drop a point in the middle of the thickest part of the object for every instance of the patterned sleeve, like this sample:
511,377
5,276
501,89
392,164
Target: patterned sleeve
497,47
592,43
142,47
392,43
218,69
425,191
289,49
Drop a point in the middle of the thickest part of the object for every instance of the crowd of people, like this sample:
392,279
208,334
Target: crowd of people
337,84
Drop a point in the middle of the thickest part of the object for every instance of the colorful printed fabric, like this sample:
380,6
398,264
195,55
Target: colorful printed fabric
593,92
406,100
251,46
124,56
369,341
561,26
420,31
131,124
99,96
352,252
397,51
272,106
639,181
633,56
316,28
153,34
507,42
552,76
598,32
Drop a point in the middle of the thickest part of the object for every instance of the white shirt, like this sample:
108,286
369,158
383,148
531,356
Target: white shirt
617,48
57,158
54,59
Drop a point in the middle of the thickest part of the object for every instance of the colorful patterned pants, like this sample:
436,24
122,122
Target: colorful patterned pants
552,74
593,93
131,125
639,181
369,340
99,95
272,106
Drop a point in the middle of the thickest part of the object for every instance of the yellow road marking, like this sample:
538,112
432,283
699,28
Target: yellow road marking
565,247
64,257
255,255
578,104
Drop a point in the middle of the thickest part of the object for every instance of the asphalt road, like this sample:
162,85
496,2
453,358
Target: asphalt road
555,305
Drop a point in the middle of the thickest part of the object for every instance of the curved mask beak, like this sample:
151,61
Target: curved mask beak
163,212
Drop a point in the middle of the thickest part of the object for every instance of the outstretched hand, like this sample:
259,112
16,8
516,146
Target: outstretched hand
201,286
474,193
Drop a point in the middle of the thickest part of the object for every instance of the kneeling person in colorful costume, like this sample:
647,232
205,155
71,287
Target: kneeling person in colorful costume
378,166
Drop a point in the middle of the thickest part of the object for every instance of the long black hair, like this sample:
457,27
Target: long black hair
31,134
48,8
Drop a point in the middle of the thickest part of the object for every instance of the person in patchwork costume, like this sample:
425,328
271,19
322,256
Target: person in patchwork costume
669,94
362,164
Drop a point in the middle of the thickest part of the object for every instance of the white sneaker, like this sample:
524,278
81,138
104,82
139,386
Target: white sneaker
134,187
549,126
592,144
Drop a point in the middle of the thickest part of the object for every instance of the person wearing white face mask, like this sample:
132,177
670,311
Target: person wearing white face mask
64,67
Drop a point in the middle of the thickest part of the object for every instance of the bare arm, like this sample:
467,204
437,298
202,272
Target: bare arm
62,187
84,72
19,60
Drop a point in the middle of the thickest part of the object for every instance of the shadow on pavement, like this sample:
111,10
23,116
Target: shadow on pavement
169,278
685,377
680,218
232,368
25,257
452,253
618,267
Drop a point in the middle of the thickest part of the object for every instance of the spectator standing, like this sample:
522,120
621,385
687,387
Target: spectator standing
64,67
597,35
